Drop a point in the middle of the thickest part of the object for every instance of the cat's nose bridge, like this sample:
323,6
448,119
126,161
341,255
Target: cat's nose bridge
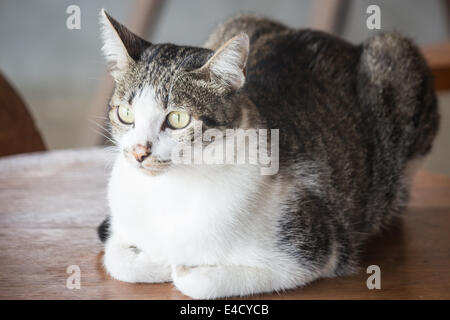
140,151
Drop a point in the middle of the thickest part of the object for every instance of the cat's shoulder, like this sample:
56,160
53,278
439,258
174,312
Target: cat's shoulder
269,37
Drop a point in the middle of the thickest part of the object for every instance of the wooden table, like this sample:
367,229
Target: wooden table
52,202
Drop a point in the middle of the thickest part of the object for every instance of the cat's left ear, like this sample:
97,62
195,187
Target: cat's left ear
120,46
227,65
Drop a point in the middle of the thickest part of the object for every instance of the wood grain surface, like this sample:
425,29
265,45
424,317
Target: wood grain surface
51,203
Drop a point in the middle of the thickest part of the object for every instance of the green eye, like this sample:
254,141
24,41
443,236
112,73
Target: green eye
178,119
125,115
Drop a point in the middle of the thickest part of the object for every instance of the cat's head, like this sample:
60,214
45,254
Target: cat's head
161,90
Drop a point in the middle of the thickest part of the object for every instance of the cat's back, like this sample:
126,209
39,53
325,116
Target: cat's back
302,75
254,26
289,62
279,51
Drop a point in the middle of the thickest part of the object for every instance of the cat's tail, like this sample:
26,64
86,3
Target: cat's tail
395,81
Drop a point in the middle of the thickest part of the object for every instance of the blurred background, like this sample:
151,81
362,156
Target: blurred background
61,76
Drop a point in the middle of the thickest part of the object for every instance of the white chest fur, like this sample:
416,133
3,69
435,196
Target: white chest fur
193,216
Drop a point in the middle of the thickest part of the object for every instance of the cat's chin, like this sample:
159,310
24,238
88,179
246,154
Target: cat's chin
154,170
150,166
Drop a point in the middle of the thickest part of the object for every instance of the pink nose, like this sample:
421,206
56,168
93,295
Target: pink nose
140,152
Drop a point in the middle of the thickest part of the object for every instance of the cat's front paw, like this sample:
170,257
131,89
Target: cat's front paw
129,264
119,262
199,282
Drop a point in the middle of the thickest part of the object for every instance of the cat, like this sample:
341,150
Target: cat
354,121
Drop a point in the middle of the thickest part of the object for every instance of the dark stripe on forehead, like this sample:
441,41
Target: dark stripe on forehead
131,97
210,122
160,65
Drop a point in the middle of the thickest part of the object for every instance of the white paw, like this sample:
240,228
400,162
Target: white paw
119,262
199,282
129,264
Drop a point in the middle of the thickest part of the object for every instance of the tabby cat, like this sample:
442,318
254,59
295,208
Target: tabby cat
353,120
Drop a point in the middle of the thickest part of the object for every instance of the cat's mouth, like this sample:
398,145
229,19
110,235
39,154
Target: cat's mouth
150,165
154,166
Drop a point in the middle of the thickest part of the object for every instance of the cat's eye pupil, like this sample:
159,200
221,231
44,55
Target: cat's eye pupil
178,119
125,115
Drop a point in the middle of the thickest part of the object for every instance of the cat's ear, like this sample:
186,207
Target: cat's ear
227,65
120,45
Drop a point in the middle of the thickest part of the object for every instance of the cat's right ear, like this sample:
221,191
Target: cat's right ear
227,65
120,46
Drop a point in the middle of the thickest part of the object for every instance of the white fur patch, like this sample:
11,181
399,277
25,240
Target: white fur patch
149,117
130,264
217,223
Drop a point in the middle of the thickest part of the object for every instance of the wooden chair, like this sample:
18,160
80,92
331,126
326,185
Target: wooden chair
438,58
18,134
